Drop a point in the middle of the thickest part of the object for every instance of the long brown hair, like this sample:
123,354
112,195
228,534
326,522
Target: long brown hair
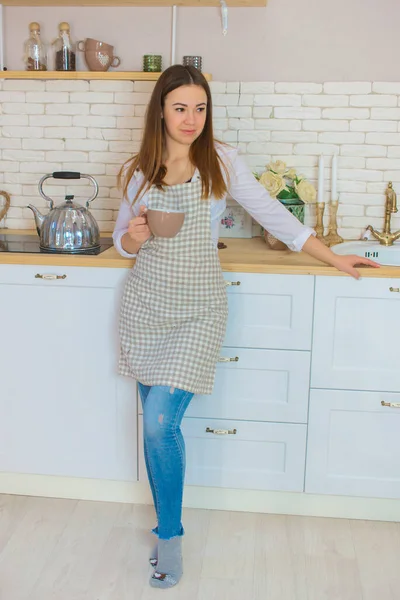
202,153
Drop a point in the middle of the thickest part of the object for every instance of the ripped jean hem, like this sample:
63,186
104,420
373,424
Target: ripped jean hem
155,531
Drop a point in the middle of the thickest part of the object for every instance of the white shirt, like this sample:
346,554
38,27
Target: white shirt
244,188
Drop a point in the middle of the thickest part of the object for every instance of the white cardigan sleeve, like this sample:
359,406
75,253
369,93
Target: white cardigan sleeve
255,199
126,212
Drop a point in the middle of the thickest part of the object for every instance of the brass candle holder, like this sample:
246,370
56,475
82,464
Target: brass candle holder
333,237
319,228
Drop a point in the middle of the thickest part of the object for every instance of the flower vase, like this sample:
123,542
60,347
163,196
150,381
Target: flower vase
296,207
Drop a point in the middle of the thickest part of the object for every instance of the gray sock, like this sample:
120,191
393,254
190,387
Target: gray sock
169,565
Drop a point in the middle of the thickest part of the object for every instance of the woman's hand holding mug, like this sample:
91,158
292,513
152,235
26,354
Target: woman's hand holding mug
138,228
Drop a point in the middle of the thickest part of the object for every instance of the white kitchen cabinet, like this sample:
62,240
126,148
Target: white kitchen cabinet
269,311
356,334
353,444
64,410
254,456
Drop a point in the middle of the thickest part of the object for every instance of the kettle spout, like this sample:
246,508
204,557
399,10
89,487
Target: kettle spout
39,218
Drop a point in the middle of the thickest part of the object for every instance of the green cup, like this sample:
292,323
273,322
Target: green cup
152,63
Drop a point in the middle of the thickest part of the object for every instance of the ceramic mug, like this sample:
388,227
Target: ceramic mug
99,56
164,223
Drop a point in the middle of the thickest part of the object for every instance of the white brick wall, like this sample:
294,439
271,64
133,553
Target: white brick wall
94,126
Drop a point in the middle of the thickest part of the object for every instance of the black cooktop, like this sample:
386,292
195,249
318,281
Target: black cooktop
30,243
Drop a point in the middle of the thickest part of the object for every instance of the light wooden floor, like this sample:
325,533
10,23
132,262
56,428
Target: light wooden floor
73,550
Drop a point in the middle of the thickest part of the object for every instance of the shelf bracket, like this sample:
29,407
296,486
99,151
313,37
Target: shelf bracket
224,17
173,34
1,38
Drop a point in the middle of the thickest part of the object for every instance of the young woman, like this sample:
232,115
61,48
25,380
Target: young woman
174,307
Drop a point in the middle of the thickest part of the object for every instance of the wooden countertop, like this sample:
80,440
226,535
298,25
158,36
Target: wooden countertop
240,256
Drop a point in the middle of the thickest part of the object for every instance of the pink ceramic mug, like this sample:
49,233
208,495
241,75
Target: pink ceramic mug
99,56
165,224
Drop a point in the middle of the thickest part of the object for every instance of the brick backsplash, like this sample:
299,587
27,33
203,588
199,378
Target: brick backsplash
93,127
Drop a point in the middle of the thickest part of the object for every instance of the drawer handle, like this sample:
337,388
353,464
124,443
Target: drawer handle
49,276
221,431
391,404
232,282
392,289
227,359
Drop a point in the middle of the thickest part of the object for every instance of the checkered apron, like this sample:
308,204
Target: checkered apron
174,307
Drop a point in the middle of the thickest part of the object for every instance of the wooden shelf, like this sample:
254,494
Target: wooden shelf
108,75
198,3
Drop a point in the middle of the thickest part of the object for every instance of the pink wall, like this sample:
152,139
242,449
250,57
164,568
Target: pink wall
289,40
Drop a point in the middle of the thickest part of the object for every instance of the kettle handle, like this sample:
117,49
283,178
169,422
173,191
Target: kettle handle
68,175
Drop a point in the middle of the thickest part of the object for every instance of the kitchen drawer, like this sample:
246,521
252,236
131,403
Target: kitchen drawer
353,444
60,276
269,311
259,456
263,385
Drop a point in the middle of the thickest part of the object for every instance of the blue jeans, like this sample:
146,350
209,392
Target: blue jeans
164,453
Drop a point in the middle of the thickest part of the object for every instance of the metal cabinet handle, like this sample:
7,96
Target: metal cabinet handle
49,276
391,404
392,289
221,431
232,282
227,359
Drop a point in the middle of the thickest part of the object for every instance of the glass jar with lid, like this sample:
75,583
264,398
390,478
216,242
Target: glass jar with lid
35,53
65,50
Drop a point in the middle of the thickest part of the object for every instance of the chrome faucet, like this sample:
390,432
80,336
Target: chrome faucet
385,237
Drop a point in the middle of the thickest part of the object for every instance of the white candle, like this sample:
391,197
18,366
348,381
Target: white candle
321,179
334,195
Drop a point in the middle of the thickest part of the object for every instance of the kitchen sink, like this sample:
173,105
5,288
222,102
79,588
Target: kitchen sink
384,255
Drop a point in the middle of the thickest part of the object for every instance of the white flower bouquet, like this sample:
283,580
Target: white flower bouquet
284,183
292,190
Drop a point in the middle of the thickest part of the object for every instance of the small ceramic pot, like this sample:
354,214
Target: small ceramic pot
164,223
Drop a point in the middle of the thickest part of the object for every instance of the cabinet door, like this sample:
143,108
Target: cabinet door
356,333
269,311
64,410
258,385
353,444
254,456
